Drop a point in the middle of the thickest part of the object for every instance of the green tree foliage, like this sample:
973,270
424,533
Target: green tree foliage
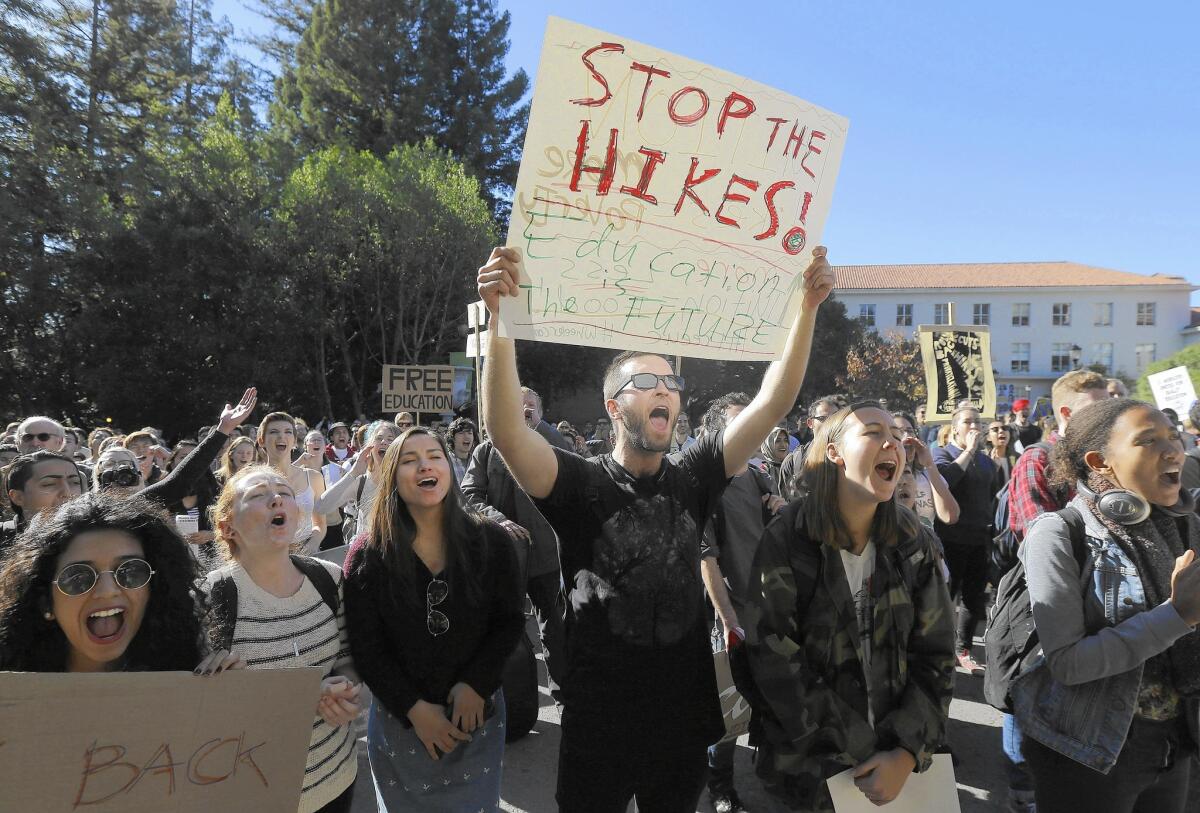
376,74
1187,357
380,251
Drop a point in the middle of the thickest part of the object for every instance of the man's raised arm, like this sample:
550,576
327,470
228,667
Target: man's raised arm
781,383
528,455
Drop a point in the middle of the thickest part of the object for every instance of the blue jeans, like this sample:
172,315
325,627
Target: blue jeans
1019,777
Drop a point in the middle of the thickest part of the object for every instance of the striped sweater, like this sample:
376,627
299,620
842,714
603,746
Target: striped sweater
300,630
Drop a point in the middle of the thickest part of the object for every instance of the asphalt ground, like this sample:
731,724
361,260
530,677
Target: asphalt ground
529,763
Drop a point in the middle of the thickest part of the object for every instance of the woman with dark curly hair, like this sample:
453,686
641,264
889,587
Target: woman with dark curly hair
1108,708
103,583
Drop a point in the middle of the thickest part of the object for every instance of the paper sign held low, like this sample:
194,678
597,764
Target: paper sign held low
155,742
664,204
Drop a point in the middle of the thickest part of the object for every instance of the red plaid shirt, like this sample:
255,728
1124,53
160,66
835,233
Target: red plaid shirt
1028,492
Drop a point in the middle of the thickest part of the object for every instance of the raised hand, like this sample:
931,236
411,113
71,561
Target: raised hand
499,277
818,279
234,416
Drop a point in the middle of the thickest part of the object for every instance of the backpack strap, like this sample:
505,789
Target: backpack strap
223,599
1079,544
316,573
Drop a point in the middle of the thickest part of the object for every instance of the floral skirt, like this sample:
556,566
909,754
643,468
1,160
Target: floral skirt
464,781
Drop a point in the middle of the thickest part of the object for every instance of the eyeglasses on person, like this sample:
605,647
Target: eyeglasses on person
43,437
436,621
79,578
648,381
122,476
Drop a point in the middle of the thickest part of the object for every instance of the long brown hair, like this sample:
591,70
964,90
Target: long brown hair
819,488
227,471
393,530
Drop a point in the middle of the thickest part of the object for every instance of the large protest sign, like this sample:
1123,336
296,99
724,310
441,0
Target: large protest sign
958,367
155,742
664,204
1173,389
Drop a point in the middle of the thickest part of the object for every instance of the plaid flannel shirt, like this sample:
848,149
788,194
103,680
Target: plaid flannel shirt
1029,495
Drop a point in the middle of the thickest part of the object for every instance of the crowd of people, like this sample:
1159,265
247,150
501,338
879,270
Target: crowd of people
842,557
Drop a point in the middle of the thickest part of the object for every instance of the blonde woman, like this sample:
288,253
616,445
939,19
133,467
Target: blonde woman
277,439
240,453
285,611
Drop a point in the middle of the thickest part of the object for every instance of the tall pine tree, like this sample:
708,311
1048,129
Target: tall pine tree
374,74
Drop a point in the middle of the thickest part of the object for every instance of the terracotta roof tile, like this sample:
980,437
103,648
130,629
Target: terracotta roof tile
1059,274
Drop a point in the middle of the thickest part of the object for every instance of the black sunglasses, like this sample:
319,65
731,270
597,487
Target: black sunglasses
123,476
436,621
648,381
80,578
41,436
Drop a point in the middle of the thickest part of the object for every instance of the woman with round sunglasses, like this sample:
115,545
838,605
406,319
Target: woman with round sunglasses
281,611
358,486
103,583
434,606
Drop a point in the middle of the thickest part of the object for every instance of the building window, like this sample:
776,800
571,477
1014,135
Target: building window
1061,314
1144,353
1102,355
1020,357
866,315
1060,357
1103,314
904,316
1020,314
941,314
1145,314
981,314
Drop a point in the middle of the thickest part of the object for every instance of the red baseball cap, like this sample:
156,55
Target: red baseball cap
1019,404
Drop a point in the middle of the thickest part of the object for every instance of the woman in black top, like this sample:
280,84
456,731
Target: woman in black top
433,605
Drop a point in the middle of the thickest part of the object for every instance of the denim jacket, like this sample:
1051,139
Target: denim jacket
1079,695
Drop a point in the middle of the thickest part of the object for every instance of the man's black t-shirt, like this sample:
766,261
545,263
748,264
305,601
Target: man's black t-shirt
639,662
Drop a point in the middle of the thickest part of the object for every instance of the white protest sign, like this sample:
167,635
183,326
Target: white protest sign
156,742
664,204
1173,389
927,792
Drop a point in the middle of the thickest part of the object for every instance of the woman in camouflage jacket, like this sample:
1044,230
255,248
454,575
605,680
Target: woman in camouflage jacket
851,643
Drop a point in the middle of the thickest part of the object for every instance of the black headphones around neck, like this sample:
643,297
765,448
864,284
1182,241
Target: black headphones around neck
1126,508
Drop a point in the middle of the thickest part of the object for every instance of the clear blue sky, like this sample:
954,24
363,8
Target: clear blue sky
979,132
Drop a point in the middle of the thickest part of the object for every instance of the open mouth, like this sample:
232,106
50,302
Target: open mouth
529,416
106,626
886,471
1170,477
427,483
660,418
279,520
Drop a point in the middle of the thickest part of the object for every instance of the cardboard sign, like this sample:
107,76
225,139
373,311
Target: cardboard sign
934,790
477,333
1173,389
958,367
154,742
734,708
663,204
428,388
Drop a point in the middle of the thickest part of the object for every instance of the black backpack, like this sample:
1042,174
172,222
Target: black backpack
1011,637
224,600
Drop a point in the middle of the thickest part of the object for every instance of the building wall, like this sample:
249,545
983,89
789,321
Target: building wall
1124,335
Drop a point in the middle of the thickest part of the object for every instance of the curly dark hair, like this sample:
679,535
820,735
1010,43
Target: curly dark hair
171,634
1088,431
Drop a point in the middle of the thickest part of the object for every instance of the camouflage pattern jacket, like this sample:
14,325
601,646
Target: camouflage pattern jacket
805,656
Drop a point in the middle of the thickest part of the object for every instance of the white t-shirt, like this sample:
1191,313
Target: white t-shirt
859,570
341,454
926,510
